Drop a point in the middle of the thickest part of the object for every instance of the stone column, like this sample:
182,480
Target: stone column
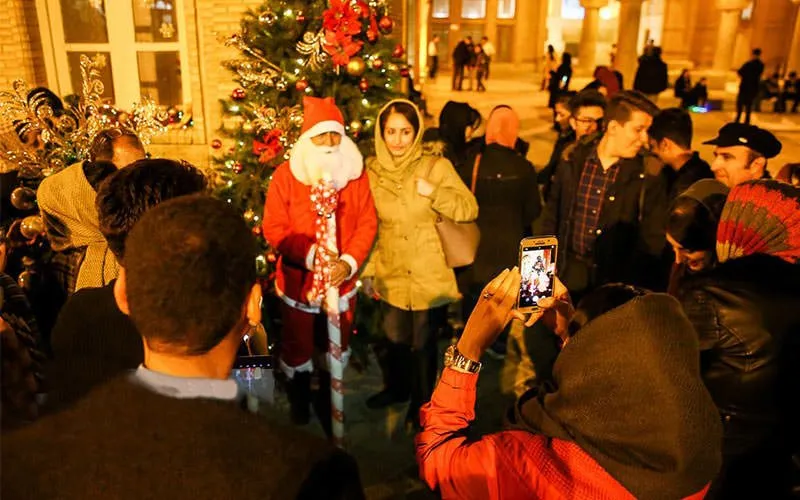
630,15
730,14
794,49
587,51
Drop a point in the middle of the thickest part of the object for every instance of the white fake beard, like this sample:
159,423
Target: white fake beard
338,164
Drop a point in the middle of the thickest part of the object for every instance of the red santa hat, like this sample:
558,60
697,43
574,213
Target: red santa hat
320,115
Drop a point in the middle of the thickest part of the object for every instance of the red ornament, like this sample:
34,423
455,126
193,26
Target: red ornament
216,144
238,94
363,85
377,63
269,147
301,18
404,72
301,85
237,167
257,230
372,35
398,51
386,24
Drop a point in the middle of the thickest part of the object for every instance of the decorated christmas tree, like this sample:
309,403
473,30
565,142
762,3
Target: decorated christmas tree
290,49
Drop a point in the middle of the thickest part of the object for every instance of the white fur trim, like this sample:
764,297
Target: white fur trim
312,252
324,127
306,367
344,302
351,261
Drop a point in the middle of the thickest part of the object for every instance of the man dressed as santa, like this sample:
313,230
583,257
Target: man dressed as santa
322,153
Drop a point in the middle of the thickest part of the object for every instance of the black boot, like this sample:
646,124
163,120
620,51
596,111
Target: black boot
298,389
424,367
322,402
395,377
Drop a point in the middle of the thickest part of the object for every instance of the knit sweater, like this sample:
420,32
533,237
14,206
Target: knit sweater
93,341
126,442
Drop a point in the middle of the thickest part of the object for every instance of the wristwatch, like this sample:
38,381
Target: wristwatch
454,359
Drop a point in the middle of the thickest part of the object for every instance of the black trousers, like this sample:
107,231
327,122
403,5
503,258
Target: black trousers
744,103
434,67
412,355
458,75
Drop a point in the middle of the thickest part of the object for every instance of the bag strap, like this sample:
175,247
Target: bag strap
475,173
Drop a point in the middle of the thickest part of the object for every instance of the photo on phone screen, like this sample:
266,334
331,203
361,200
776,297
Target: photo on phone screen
537,267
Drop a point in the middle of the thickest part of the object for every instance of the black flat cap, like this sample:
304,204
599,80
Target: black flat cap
759,140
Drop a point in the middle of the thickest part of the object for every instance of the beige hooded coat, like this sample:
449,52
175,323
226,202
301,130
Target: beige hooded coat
407,264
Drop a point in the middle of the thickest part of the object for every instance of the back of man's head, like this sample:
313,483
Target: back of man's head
757,52
127,194
621,107
674,124
116,145
189,270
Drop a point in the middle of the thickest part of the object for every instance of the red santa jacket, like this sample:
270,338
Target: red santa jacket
513,464
289,227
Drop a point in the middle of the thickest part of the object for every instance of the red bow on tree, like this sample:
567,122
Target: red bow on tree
270,147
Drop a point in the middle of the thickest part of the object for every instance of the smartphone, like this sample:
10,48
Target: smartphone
263,361
537,265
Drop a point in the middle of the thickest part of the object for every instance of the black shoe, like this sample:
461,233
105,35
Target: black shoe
385,398
299,392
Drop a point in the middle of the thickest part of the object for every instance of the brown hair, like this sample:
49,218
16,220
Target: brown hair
102,147
623,104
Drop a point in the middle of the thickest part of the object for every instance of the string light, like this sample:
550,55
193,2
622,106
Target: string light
364,102
288,12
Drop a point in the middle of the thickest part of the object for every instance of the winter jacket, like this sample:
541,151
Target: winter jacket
651,76
631,236
407,263
747,314
750,74
577,438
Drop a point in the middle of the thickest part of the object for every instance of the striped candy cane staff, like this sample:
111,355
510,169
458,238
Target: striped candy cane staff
325,199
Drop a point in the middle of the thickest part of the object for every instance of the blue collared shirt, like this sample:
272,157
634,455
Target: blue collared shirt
186,387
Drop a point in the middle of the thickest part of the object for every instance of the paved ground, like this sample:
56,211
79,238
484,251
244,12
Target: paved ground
377,438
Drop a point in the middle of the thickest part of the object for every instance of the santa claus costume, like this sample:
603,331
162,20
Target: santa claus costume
289,226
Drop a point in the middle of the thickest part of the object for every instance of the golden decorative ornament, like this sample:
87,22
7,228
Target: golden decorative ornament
356,66
247,126
356,126
31,226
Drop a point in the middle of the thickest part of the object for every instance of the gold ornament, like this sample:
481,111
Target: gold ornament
356,66
31,226
249,214
247,127
311,46
356,126
23,198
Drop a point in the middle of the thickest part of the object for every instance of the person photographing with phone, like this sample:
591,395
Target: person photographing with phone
574,437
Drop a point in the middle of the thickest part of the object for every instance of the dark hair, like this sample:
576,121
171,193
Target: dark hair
674,124
693,224
656,52
585,99
484,37
624,103
454,119
189,271
102,147
128,193
566,59
756,52
407,110
601,301
565,98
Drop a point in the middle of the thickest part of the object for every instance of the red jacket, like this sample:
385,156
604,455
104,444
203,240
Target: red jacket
289,227
508,465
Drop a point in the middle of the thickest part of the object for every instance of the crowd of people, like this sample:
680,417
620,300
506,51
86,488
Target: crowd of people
471,61
675,300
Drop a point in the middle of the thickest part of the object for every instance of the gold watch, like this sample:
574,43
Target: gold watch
454,359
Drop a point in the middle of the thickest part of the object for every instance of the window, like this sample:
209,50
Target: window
506,9
137,40
473,9
571,9
441,9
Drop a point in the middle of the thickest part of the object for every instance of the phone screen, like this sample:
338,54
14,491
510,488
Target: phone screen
537,267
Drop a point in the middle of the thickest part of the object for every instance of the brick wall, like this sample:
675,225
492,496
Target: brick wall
16,51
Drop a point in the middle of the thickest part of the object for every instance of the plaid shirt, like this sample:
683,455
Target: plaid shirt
589,198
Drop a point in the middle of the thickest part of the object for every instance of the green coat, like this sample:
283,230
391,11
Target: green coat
407,264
